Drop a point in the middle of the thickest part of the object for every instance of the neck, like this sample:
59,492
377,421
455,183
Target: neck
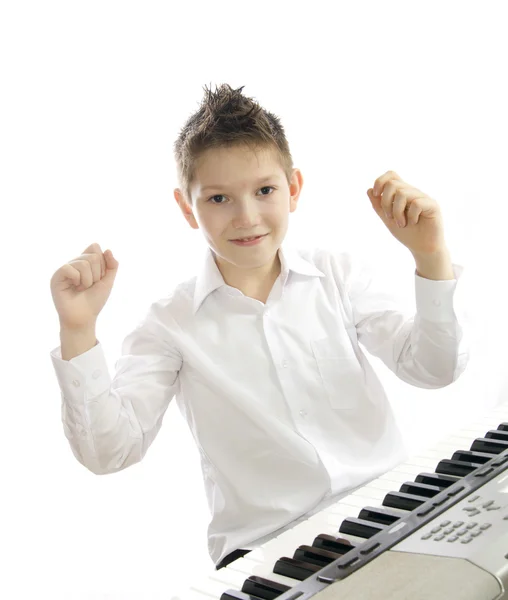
250,281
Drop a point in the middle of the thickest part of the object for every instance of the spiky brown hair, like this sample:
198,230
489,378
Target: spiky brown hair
228,119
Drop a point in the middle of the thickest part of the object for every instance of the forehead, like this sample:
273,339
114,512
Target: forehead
235,166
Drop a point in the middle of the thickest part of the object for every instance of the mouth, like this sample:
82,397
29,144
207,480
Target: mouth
248,241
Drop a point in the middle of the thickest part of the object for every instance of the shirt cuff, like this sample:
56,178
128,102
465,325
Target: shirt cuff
436,300
84,377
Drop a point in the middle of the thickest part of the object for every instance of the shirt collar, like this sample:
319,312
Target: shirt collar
210,278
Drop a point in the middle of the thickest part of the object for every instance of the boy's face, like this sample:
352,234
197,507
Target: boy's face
228,202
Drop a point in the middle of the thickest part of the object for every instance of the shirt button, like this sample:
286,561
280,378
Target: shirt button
303,413
76,383
436,302
96,374
285,363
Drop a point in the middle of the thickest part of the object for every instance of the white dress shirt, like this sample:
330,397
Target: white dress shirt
285,409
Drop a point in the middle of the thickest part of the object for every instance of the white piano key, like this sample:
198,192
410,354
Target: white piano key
413,470
233,579
394,478
251,567
214,589
369,493
476,432
191,594
384,484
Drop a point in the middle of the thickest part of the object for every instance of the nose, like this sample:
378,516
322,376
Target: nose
246,215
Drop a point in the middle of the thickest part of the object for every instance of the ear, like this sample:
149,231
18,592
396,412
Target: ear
295,188
185,208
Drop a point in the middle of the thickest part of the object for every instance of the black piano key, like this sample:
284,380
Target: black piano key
456,467
315,556
376,514
403,501
489,445
470,456
332,543
496,434
360,527
503,427
297,569
439,479
264,588
420,489
236,595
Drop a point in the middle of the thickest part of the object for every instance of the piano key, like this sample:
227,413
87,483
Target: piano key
263,588
489,445
229,578
405,501
208,586
332,543
439,479
250,567
470,456
316,556
456,467
361,527
387,484
496,434
369,492
413,469
190,594
383,515
420,489
297,569
232,594
394,478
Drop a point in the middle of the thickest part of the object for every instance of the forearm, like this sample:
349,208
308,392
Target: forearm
437,266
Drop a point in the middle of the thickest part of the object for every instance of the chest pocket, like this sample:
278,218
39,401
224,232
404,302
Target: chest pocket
341,374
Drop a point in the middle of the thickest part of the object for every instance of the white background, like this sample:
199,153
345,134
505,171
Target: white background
93,95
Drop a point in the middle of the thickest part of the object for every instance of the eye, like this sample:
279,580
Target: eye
266,187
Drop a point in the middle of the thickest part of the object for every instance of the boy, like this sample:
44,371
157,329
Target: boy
261,349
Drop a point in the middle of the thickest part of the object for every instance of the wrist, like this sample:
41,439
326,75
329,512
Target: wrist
435,265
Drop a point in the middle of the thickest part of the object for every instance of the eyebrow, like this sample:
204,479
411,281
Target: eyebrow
262,180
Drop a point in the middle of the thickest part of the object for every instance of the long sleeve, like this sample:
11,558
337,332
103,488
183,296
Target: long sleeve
427,349
110,424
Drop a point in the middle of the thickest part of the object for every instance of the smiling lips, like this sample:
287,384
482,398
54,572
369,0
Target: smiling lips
248,239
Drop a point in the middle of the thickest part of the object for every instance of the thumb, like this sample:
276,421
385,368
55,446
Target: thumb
111,265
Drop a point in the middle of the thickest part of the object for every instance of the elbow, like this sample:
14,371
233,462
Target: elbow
108,463
426,376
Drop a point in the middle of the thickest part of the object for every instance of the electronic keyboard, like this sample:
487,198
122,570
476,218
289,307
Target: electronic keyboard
431,528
